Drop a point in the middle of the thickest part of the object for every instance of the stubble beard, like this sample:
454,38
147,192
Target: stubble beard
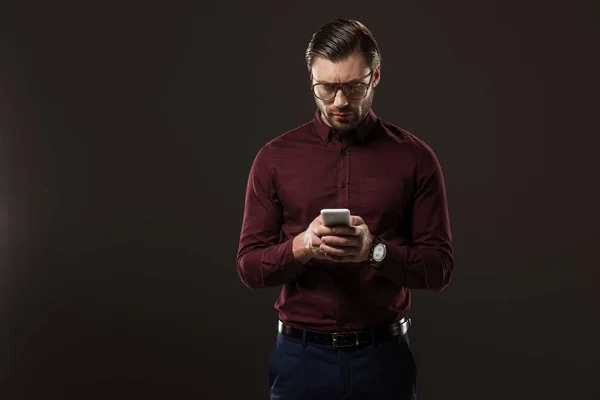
344,127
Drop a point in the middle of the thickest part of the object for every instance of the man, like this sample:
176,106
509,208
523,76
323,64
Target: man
346,290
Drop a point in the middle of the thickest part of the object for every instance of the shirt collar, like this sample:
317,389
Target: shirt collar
361,132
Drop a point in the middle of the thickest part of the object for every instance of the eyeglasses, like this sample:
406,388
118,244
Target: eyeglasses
353,91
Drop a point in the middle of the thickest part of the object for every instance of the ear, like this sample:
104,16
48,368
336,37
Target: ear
376,75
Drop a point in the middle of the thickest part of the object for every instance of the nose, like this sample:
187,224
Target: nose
340,100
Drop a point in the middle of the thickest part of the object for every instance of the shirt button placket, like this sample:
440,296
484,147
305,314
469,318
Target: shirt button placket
343,196
343,199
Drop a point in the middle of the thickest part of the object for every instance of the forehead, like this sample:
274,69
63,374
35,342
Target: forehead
353,67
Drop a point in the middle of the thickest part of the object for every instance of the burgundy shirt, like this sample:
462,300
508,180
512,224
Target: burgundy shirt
380,172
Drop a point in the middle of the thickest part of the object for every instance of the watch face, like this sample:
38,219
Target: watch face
379,252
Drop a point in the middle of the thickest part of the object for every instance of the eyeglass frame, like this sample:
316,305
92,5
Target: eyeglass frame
339,86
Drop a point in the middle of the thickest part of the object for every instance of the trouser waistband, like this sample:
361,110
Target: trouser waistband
348,339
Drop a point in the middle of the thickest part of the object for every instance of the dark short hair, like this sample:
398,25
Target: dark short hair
338,39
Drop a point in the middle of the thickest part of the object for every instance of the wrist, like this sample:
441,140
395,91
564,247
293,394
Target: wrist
301,253
369,241
377,253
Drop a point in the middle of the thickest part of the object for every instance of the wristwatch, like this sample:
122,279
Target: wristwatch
377,253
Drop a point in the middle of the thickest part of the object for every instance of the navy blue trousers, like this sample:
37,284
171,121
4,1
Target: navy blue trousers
382,371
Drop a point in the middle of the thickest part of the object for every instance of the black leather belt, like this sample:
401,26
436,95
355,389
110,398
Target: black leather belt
349,339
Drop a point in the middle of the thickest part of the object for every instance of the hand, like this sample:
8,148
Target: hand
307,245
346,243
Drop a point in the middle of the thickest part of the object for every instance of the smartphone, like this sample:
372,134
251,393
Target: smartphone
335,216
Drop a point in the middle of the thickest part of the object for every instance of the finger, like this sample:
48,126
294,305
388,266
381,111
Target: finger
336,251
345,230
322,230
355,220
329,250
347,241
316,240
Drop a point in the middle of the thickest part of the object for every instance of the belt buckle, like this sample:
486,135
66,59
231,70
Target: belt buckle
349,344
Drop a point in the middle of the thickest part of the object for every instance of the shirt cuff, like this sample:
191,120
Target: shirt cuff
392,267
282,259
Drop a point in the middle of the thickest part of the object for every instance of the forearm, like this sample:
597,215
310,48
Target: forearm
271,266
418,267
427,261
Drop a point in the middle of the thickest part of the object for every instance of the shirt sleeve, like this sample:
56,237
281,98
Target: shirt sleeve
262,259
428,262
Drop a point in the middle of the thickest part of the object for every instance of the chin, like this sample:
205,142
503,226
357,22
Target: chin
348,126
345,128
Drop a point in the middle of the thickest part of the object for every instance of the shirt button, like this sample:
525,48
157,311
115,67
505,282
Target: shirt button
343,184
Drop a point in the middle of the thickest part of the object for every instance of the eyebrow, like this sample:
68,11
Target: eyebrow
355,80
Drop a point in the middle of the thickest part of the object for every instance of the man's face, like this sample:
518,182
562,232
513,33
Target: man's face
343,113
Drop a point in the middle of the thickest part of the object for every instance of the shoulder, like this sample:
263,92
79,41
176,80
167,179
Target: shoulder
292,136
420,151
286,140
277,146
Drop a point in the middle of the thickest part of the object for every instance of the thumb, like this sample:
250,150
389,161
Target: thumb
356,220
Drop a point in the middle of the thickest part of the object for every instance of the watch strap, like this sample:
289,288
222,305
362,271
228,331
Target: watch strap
376,241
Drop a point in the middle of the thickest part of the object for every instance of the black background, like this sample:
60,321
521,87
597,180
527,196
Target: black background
126,136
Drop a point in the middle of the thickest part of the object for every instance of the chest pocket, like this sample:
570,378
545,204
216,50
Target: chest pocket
383,199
